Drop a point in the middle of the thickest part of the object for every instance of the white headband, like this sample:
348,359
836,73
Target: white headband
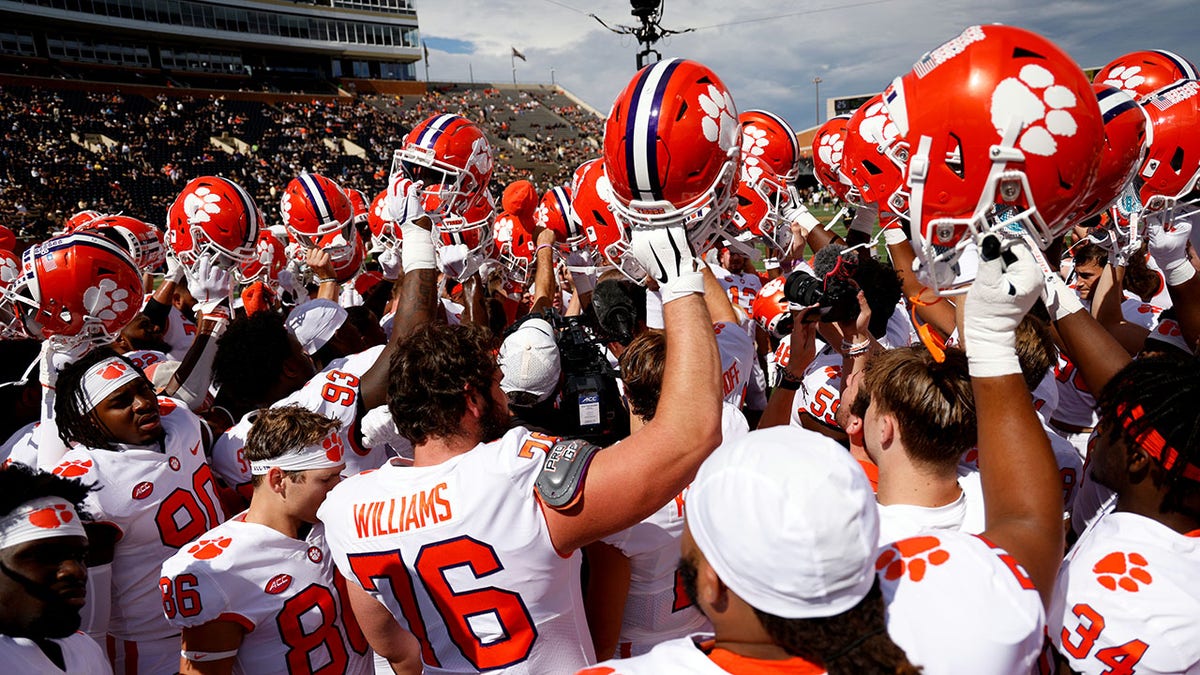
41,518
104,378
327,454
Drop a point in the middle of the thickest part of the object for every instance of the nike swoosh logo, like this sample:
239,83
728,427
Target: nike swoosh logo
196,448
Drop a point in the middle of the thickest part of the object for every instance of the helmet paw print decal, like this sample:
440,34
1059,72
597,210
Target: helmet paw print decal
912,556
754,141
207,549
1126,571
720,122
1126,78
52,517
105,301
830,149
201,204
541,216
285,208
1041,106
877,125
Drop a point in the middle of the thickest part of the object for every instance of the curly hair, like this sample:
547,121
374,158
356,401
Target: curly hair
853,642
20,484
432,372
1163,391
250,357
77,422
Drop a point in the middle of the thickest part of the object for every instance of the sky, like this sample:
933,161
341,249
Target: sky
768,52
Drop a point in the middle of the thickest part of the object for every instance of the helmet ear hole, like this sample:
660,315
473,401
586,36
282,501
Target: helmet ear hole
1177,159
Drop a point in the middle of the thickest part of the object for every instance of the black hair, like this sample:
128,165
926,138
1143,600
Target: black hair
853,642
1166,389
250,358
76,420
20,484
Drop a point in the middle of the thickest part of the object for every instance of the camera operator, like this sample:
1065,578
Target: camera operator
809,390
556,373
559,381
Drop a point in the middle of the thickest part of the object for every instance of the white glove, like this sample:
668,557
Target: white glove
864,219
56,356
1059,298
403,201
390,264
1005,287
209,283
403,206
349,297
455,261
1168,247
666,255
175,270
796,215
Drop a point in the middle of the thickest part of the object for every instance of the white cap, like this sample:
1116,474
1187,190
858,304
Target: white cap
529,360
788,521
314,323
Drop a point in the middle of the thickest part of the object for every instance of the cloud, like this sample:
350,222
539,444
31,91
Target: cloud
856,48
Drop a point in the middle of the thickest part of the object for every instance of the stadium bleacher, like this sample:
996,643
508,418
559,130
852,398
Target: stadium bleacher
143,140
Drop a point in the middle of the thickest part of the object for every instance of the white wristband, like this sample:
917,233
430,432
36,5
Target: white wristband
417,252
201,657
894,236
1180,273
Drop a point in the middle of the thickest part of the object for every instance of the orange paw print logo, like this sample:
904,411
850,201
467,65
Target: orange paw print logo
73,468
207,549
114,370
912,556
333,448
51,517
1122,570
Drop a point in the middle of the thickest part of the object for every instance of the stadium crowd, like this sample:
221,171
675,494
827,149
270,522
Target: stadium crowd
592,428
48,173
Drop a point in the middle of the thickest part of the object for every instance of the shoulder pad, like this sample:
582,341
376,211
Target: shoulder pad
562,473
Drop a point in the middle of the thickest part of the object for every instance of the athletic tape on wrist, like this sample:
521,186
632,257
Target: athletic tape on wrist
327,454
105,377
40,518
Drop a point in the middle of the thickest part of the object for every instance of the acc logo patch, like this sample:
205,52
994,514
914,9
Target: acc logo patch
278,584
143,489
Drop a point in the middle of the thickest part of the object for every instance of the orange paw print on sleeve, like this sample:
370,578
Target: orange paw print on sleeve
1122,570
207,549
912,556
51,517
73,468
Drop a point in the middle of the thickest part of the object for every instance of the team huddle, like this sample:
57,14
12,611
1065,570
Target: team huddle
661,420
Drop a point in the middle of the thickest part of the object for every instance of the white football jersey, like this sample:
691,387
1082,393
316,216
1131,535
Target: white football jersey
1076,405
656,609
737,360
901,521
160,500
179,334
21,447
284,591
460,553
81,655
741,287
956,604
333,392
1126,599
820,391
685,657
